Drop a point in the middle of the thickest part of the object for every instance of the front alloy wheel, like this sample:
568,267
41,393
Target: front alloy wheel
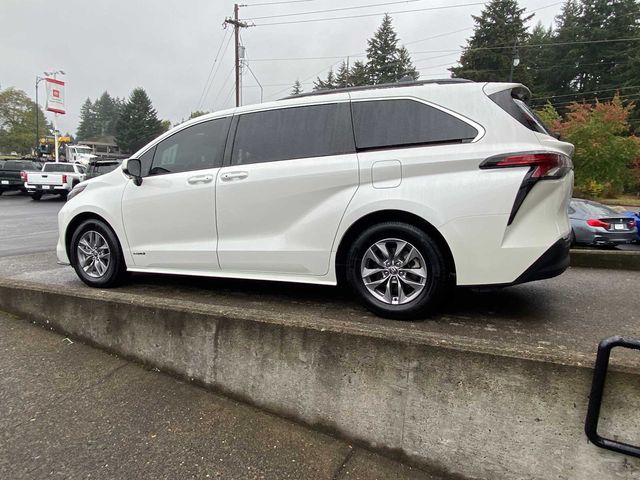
96,255
93,253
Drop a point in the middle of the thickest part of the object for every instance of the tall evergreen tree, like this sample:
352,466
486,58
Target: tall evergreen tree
405,65
383,58
359,75
297,88
342,77
138,123
327,84
489,53
88,127
535,57
107,112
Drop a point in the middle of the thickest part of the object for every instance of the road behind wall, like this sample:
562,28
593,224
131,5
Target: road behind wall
451,405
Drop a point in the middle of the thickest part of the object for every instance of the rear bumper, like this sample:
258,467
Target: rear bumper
551,263
57,189
614,238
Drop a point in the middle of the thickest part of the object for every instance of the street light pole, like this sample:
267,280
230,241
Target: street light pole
38,80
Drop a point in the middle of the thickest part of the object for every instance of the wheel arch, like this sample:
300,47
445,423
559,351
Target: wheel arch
79,219
380,216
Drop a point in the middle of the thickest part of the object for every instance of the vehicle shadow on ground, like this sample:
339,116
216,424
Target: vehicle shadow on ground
511,302
20,195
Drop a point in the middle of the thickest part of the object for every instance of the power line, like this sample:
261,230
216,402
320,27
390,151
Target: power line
333,9
444,7
215,59
276,3
216,72
588,93
306,78
471,28
224,84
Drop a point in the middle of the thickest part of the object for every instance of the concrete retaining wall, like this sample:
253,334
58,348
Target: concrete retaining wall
466,414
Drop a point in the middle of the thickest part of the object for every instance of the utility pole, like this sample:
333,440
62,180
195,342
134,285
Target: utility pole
237,25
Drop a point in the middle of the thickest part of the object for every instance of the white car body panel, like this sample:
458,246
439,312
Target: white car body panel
285,220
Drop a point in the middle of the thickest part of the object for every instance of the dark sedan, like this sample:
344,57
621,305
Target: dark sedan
595,224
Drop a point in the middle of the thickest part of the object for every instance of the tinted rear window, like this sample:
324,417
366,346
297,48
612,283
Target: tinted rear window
398,123
21,166
288,133
519,110
59,167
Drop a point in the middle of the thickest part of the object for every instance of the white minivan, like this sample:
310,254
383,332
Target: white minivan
401,190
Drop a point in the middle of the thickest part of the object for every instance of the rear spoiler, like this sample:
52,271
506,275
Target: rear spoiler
518,90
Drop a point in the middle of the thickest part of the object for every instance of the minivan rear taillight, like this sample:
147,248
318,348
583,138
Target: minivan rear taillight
542,166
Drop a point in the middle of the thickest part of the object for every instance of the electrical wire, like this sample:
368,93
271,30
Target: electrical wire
224,84
371,14
276,3
215,59
204,98
312,12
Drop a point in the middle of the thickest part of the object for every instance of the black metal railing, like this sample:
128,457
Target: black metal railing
597,389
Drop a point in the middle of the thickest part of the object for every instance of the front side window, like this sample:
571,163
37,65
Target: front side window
404,123
297,132
198,147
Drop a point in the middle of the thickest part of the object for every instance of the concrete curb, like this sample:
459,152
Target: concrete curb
611,259
457,408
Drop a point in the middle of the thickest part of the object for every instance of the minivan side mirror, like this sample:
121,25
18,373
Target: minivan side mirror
133,168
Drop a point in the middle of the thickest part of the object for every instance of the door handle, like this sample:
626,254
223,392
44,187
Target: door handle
234,176
200,179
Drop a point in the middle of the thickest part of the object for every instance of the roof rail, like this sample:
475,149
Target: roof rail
401,83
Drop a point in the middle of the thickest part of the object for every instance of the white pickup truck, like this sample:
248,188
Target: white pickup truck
55,178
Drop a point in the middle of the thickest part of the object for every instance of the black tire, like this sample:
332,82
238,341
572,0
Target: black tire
36,196
435,286
116,271
573,238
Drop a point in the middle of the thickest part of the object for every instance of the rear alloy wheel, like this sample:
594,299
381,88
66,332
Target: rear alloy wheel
96,255
397,270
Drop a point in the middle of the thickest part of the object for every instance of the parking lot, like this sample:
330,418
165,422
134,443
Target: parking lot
555,317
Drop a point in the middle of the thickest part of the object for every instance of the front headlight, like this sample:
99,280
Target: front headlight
78,189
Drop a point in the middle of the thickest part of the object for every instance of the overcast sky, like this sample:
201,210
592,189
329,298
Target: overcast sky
168,47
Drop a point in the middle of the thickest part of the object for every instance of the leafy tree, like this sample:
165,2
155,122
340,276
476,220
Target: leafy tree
138,123
297,88
488,55
18,121
604,150
88,127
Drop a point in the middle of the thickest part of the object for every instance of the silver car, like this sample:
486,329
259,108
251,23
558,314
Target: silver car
595,224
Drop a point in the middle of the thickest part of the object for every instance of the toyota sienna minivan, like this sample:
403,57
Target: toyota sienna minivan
400,190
